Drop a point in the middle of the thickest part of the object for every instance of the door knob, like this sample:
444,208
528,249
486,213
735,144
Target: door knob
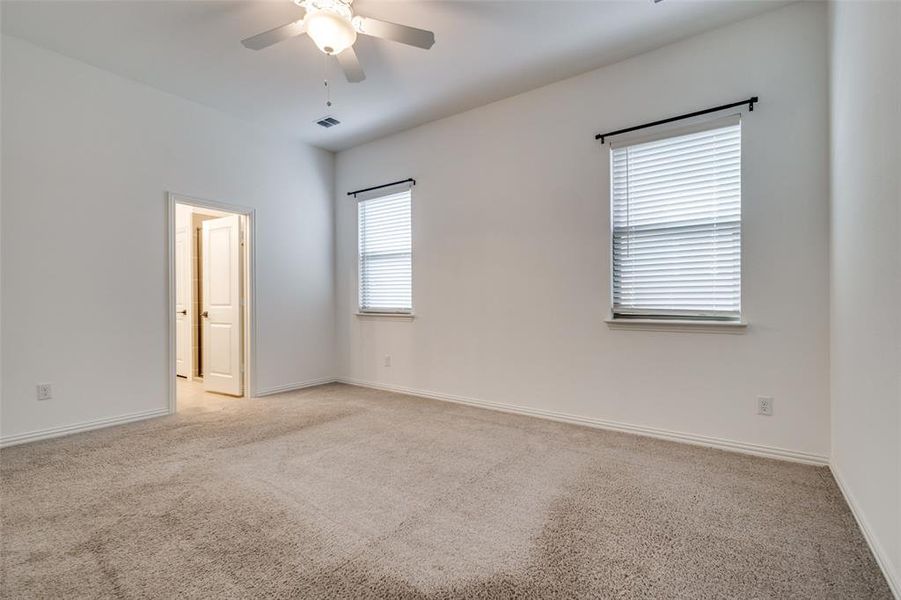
183,312
205,314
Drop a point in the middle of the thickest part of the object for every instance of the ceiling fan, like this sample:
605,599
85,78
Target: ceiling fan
334,28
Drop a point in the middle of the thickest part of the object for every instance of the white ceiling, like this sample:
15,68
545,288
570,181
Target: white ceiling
484,51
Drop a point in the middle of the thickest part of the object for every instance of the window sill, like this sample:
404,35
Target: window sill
386,315
679,325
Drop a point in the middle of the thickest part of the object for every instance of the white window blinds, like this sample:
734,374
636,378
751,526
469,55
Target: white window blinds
386,253
677,225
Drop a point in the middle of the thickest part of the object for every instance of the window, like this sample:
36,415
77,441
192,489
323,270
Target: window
386,253
676,218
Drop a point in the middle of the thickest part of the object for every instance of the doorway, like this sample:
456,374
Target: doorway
210,297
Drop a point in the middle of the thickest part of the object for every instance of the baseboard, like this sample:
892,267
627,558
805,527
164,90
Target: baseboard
43,434
882,557
664,434
52,432
290,387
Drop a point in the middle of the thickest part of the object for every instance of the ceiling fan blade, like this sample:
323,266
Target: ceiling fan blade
273,36
394,32
351,66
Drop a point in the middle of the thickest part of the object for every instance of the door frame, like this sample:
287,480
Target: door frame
249,267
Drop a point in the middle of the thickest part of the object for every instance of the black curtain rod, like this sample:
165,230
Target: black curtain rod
750,102
378,187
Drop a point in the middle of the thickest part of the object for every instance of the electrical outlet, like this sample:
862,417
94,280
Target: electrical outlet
765,406
45,392
387,360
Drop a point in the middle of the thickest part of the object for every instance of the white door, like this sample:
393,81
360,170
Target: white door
182,300
221,316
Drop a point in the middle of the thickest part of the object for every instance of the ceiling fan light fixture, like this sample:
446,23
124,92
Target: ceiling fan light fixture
331,32
333,27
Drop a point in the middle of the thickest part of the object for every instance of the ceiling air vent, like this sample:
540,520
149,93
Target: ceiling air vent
327,122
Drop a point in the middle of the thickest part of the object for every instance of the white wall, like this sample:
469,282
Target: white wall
87,160
866,269
511,236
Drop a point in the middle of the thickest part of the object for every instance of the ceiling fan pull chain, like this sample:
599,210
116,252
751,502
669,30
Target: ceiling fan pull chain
328,90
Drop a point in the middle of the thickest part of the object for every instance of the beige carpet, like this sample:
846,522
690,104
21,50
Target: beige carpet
342,492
